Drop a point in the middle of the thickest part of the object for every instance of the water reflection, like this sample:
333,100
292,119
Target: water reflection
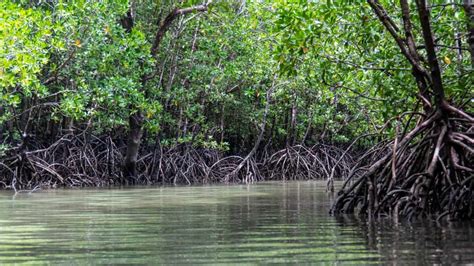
418,242
266,222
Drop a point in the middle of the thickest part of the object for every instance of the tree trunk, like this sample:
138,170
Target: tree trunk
136,119
469,8
180,123
294,112
411,45
222,124
435,71
308,128
133,146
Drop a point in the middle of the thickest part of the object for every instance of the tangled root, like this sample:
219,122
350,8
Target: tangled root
73,160
426,172
88,160
181,164
235,169
304,163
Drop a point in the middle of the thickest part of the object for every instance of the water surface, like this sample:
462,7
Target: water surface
258,223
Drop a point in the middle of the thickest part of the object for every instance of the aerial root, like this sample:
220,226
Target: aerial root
304,163
76,160
426,172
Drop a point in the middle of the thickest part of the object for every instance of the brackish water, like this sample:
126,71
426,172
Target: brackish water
258,223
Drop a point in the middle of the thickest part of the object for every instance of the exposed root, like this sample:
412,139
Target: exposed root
303,163
87,160
73,160
177,165
236,169
427,171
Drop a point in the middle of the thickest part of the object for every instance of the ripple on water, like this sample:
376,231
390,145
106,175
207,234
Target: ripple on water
266,222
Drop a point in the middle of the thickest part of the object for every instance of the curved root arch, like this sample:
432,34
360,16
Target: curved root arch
304,163
428,171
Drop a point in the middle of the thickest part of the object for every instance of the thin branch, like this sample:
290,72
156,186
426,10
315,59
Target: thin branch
55,73
175,13
385,19
355,65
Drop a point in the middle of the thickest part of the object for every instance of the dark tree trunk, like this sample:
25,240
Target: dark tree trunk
136,119
435,71
469,8
135,123
429,155
411,45
222,124
133,146
294,112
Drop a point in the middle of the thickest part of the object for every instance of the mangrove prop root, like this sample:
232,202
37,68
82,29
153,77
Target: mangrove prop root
304,163
77,160
427,171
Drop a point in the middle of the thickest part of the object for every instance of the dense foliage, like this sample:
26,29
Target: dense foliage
74,65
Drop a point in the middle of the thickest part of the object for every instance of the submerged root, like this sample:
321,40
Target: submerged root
427,171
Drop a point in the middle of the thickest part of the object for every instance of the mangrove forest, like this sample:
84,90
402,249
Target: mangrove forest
375,98
163,132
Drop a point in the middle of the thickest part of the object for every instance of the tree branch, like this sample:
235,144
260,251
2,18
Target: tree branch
175,13
407,26
55,73
385,19
437,83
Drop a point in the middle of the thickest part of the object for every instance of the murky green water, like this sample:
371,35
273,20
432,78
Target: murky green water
260,223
